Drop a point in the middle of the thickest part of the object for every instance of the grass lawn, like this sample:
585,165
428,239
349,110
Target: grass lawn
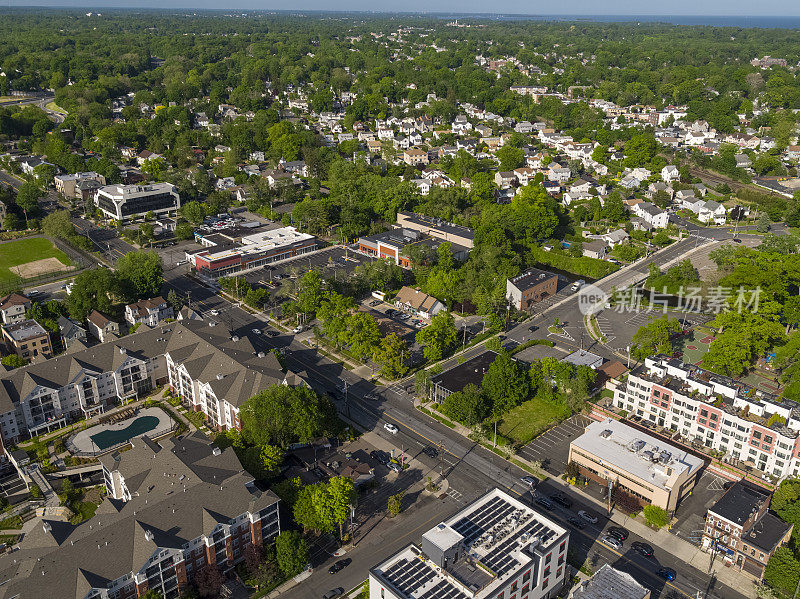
55,108
531,418
23,251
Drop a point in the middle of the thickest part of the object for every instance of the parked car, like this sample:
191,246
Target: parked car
666,573
528,480
337,592
562,500
577,285
391,312
297,329
642,549
374,303
394,466
372,396
544,502
576,522
339,565
214,312
618,533
256,331
390,428
588,516
380,456
611,542
430,451
271,333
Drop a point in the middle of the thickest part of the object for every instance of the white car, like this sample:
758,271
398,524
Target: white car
256,331
587,516
214,312
390,427
297,330
611,542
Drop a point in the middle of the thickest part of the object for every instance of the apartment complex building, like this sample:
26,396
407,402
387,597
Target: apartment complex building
126,202
28,339
174,509
495,548
746,424
742,529
642,468
211,369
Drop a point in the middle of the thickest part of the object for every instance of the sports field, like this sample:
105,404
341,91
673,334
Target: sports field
25,251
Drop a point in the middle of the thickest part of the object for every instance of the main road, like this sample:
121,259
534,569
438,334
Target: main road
470,468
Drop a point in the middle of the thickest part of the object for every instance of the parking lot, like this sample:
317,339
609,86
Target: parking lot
691,513
552,447
334,262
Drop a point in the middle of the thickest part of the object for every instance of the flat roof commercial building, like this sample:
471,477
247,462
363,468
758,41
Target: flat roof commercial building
254,251
495,548
459,376
126,202
610,583
436,227
646,469
28,339
395,244
531,287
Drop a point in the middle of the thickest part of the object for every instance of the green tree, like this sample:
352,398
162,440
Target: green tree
505,383
28,198
194,212
12,222
12,361
184,231
510,157
332,313
439,337
335,504
271,459
390,354
395,504
174,300
305,515
613,208
91,290
140,275
363,334
291,551
470,406
783,571
58,224
653,337
655,516
36,491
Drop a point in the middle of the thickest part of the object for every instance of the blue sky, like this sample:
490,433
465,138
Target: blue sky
564,7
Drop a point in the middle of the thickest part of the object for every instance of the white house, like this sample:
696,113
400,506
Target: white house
670,173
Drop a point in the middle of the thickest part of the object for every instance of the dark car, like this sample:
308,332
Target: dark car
619,533
642,549
544,502
338,591
737,240
577,522
430,451
562,500
271,333
533,328
380,456
340,565
666,573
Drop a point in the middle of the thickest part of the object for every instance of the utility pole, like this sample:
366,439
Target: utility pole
610,491
441,458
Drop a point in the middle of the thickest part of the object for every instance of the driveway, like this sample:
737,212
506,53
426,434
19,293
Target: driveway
691,513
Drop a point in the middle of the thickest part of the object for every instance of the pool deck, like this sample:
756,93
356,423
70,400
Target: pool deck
83,444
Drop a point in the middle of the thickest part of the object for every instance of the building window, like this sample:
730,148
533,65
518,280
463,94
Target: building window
545,582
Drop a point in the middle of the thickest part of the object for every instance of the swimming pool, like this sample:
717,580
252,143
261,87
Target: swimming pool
109,438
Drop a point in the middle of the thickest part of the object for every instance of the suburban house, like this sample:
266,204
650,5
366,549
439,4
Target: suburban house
13,308
531,287
712,211
417,302
651,214
151,311
595,249
67,185
740,527
101,327
505,178
415,156
71,333
613,238
670,173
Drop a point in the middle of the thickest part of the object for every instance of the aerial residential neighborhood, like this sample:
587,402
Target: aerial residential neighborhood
407,306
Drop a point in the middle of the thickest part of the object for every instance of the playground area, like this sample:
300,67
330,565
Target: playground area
694,347
100,438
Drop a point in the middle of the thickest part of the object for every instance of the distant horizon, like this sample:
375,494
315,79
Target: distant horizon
178,5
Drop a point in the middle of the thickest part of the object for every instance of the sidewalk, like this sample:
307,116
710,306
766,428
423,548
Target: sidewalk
691,554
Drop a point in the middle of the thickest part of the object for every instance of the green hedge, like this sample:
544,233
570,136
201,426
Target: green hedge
583,266
531,343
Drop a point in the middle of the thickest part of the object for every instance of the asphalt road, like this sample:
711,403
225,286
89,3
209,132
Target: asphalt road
105,240
470,469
